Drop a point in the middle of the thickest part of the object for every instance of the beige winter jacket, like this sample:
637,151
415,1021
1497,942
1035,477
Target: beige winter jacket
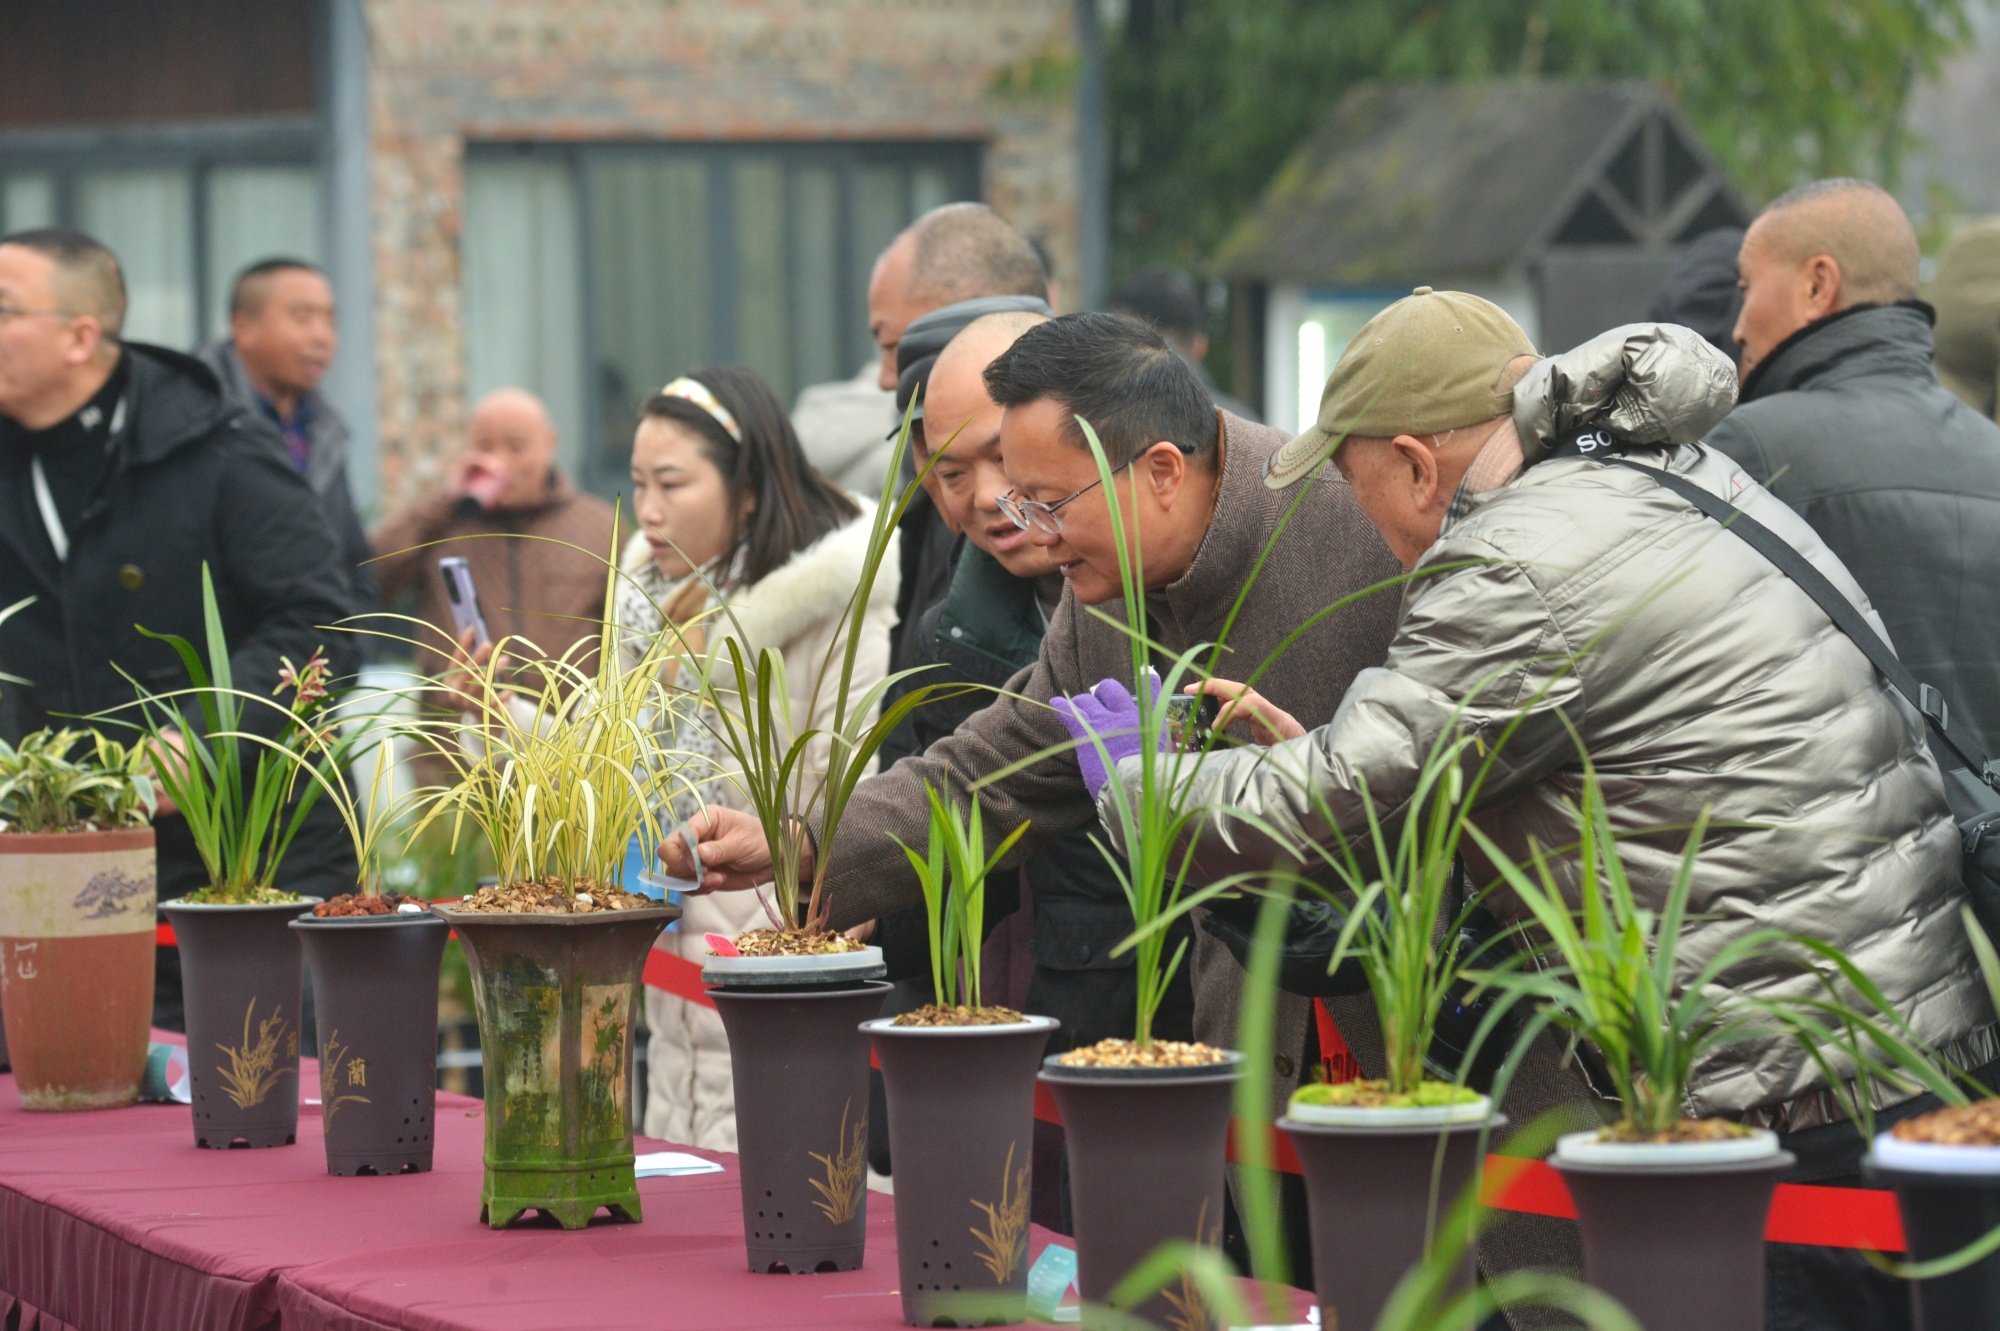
1697,675
799,609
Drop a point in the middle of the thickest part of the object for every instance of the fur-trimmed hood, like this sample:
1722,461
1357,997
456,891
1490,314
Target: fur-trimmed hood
808,589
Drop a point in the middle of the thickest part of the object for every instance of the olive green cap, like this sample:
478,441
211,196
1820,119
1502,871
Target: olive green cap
1426,364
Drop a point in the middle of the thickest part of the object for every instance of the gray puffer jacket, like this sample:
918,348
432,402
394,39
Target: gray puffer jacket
1698,676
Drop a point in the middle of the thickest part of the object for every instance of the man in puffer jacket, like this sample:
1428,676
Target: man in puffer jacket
1698,676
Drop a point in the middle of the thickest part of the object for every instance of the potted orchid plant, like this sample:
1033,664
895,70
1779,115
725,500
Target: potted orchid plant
792,996
1945,1168
76,918
557,768
960,1079
209,746
1612,974
374,959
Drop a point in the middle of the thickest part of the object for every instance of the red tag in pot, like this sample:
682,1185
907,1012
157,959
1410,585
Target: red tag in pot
719,946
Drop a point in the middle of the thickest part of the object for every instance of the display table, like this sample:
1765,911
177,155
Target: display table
111,1221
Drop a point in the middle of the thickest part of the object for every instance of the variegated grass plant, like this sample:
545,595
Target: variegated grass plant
953,876
558,765
73,780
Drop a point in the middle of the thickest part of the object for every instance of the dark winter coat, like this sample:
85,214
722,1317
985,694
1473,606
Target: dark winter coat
194,479
326,469
547,591
1846,422
985,630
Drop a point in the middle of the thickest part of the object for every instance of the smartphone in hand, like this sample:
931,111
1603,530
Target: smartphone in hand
1191,720
463,598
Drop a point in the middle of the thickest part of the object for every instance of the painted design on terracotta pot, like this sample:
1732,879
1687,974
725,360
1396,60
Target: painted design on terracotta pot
113,892
846,1171
252,1072
1190,1310
330,1076
602,1074
1006,1234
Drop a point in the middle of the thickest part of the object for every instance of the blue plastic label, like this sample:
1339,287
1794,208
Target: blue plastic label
1048,1280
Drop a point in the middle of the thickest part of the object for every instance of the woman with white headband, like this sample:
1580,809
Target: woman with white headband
738,537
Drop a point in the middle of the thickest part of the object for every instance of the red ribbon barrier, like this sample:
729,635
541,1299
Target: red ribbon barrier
678,976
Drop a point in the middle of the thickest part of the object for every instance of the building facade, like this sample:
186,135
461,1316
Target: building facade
580,197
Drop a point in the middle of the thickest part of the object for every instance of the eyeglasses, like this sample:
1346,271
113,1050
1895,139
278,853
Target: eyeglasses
9,313
1033,515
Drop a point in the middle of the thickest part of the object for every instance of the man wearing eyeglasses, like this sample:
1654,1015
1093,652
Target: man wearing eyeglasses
1190,480
124,470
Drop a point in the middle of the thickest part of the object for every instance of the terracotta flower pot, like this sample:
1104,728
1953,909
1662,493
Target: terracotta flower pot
1949,1196
800,1066
1378,1190
1675,1232
375,1006
556,995
961,1131
241,987
76,965
1146,1148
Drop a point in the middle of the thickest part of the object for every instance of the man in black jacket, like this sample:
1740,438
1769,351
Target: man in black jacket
124,469
1842,416
281,343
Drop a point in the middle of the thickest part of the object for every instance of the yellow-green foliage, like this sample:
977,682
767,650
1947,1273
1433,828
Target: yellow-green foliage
559,766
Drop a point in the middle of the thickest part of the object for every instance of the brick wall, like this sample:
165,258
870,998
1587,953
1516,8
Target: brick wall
445,71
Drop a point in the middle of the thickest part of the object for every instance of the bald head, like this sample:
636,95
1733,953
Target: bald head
962,420
957,252
1859,225
1819,249
957,388
963,250
510,452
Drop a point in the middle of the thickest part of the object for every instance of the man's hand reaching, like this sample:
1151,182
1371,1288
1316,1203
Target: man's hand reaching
733,853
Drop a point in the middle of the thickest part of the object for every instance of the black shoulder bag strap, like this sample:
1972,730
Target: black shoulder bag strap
1975,802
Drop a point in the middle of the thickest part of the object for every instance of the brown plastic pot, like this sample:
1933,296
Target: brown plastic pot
1945,1209
800,1066
1377,1196
1682,1248
1146,1148
557,995
961,1131
76,965
375,1007
241,986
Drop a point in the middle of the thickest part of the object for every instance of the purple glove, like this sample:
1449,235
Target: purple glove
1109,714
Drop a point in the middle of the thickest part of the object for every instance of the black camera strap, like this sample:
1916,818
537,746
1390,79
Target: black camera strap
1838,608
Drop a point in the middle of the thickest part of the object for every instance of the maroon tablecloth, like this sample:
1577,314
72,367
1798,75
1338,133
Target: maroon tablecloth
114,1220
